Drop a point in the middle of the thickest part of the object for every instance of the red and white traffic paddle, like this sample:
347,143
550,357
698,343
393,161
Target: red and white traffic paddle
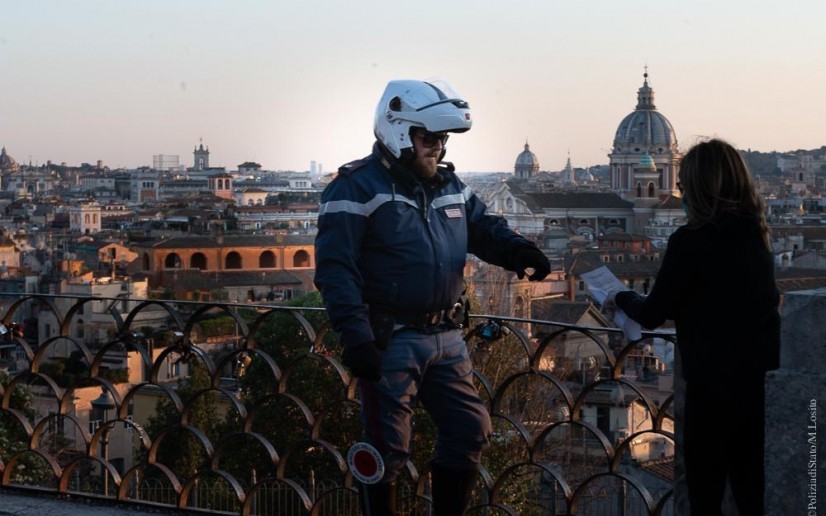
365,463
367,467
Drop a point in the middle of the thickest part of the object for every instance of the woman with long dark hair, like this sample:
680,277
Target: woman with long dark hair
717,284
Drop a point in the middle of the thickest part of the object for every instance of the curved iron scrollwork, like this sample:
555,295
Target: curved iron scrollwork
246,409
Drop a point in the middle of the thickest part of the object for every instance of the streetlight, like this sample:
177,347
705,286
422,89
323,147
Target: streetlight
102,405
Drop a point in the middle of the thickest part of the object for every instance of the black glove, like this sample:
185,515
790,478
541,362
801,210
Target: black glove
529,256
363,360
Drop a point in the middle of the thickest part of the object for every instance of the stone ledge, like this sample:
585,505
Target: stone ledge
791,400
795,447
19,503
803,331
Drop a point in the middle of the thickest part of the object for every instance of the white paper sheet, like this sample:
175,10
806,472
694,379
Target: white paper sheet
601,284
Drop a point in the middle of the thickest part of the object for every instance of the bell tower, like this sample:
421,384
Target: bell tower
201,156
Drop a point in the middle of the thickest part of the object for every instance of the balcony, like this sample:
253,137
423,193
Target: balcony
226,408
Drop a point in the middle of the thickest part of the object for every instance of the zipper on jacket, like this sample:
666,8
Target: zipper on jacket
421,197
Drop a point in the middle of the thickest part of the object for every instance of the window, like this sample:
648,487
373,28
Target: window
233,261
301,259
604,419
55,423
266,260
172,261
198,261
519,307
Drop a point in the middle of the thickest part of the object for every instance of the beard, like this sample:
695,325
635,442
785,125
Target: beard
426,164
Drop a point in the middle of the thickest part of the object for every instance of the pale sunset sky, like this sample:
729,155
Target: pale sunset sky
284,82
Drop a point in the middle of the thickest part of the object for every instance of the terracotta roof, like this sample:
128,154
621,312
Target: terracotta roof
585,261
663,468
799,273
808,232
567,312
790,279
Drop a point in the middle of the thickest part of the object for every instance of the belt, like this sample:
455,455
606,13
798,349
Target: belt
426,320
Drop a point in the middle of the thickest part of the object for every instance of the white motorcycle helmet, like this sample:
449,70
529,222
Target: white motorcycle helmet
433,105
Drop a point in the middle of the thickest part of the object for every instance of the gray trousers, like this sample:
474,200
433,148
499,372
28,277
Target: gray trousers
433,369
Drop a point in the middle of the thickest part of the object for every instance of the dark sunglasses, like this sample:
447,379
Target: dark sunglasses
430,139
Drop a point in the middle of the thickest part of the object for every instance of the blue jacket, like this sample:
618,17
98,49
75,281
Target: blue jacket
389,240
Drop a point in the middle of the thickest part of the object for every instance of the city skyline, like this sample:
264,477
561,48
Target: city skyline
287,83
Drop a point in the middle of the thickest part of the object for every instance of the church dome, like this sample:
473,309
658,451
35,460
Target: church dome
527,158
6,161
526,164
645,129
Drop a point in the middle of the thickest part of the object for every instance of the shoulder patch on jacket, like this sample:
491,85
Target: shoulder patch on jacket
349,168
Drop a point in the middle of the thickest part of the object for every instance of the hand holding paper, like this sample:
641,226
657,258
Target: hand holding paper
603,287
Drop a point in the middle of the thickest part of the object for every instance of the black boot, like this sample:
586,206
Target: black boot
378,499
450,489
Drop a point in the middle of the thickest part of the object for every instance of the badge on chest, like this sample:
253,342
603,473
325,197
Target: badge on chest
453,213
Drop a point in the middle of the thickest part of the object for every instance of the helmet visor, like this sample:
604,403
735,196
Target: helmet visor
440,92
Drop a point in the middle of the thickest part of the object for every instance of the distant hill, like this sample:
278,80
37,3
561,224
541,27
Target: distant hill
762,163
765,163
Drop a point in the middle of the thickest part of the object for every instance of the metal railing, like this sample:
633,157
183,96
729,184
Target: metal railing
583,419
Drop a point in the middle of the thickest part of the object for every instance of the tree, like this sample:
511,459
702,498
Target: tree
219,294
278,417
30,469
180,450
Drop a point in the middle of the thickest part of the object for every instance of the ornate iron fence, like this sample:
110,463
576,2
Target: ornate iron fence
245,409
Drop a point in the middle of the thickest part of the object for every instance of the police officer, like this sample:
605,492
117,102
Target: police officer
394,230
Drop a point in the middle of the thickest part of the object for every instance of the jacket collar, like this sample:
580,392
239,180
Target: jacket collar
404,175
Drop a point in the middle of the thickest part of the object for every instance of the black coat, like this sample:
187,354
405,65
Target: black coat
717,284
